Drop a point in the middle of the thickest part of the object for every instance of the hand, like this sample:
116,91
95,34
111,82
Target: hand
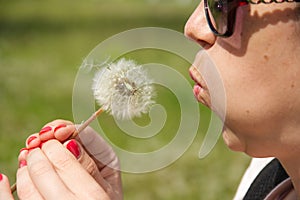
5,193
52,172
98,159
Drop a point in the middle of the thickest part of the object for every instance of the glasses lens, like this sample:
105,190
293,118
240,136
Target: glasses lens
218,14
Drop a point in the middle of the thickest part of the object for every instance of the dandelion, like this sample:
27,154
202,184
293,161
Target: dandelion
123,89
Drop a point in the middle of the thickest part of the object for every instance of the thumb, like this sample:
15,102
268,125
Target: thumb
86,162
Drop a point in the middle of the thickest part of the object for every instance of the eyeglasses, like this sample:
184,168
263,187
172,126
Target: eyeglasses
220,14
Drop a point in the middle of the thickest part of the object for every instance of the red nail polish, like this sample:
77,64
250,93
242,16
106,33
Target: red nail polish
30,139
59,126
73,147
22,163
30,149
45,130
1,177
23,149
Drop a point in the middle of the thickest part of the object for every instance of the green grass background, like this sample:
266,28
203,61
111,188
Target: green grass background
42,45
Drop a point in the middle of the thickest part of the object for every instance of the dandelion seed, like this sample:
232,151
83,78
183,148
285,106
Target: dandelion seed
123,89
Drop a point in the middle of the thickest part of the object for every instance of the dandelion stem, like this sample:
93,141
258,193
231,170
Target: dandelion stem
13,187
87,122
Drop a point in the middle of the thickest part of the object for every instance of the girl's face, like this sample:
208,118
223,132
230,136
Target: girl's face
260,70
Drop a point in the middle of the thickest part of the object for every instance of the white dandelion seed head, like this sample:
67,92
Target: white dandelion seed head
123,89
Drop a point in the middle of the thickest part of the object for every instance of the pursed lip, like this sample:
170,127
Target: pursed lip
200,90
196,76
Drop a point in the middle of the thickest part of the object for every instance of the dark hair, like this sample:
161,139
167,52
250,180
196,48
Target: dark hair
297,10
298,18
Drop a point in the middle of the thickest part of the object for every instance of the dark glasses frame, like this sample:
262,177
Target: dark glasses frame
231,15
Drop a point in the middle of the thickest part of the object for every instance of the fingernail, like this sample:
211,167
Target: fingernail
30,139
1,177
30,149
22,163
45,130
73,147
60,126
23,149
24,152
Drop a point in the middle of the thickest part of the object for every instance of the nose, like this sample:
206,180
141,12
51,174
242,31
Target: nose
197,29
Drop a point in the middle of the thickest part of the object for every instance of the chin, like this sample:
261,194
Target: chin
232,141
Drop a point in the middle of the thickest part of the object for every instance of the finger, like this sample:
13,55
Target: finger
25,187
58,122
104,157
23,154
67,166
47,132
33,141
44,176
63,132
87,163
96,146
5,193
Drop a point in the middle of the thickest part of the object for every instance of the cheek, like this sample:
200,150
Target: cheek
253,96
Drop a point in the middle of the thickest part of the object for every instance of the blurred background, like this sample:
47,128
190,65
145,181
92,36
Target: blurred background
42,45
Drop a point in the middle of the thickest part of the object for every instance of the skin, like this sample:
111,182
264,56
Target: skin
48,167
260,72
49,174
